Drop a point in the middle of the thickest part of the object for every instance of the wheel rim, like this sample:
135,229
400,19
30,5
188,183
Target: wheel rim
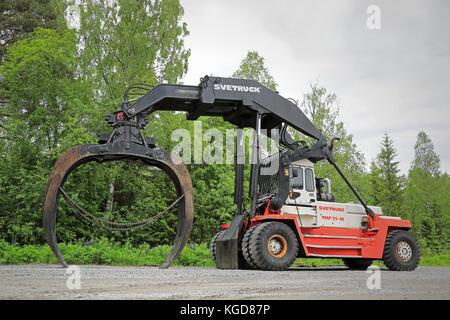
403,251
277,246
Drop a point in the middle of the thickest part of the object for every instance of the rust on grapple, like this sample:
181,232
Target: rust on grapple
81,154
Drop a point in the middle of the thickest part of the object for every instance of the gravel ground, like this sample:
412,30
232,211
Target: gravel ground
110,282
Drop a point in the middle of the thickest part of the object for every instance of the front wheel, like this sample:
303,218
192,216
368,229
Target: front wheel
401,251
212,245
242,264
270,246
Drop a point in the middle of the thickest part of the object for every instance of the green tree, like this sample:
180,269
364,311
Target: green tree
19,18
213,183
385,183
48,84
125,42
322,108
424,172
253,68
45,101
48,109
375,182
121,43
426,196
425,158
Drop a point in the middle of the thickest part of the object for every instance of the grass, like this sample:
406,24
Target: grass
442,260
105,252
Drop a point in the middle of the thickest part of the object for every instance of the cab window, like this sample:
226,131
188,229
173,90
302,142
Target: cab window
297,178
309,180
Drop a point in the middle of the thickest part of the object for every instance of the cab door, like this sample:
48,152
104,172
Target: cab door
302,186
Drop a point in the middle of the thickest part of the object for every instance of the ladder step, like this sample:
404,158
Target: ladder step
331,247
335,237
331,256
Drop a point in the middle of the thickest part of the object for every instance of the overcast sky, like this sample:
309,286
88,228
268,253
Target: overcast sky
394,79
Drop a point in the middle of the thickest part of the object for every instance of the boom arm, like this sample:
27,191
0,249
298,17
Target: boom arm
236,100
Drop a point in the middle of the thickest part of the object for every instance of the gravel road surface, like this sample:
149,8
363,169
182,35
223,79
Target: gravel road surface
111,282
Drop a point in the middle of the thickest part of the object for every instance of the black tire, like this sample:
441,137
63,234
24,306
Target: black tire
401,251
270,246
357,263
242,264
212,246
245,246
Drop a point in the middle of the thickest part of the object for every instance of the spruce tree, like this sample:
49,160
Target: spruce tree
386,188
252,67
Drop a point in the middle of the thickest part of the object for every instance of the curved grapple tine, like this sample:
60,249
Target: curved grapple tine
91,152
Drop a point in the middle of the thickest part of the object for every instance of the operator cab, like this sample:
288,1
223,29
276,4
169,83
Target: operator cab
305,188
301,183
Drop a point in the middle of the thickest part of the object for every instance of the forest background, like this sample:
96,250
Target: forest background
57,83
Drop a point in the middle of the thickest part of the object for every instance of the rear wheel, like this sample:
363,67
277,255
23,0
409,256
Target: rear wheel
401,251
270,246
